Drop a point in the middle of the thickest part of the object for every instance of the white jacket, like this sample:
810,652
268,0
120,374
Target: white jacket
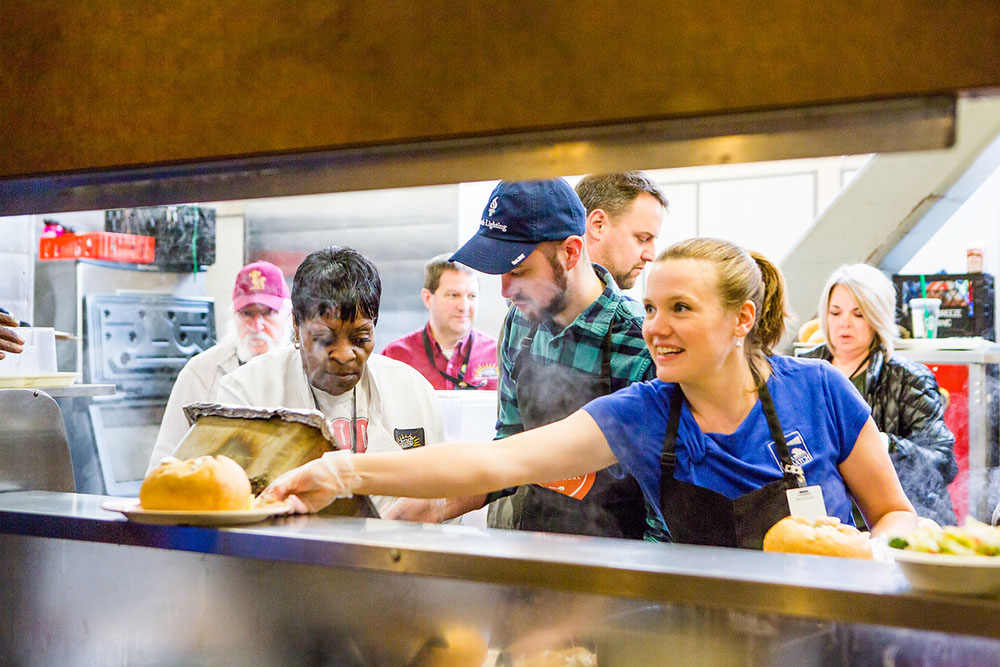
400,400
197,381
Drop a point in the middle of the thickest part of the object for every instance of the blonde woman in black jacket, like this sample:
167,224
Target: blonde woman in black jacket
856,313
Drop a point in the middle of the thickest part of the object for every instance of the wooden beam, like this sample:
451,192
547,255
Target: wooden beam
108,84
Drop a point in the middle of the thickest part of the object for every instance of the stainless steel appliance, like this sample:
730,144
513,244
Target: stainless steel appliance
139,341
138,327
60,287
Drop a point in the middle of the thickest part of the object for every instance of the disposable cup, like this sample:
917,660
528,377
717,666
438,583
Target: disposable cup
38,355
924,317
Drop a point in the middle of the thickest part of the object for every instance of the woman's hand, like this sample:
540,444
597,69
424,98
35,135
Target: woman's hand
433,510
313,486
9,341
425,510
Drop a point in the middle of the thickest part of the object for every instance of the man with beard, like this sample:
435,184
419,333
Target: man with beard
572,336
624,216
262,321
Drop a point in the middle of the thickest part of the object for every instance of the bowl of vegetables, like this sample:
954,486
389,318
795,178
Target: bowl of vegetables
954,559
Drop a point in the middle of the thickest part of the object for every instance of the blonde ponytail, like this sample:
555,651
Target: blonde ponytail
772,313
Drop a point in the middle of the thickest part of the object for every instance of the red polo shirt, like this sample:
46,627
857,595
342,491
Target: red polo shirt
482,364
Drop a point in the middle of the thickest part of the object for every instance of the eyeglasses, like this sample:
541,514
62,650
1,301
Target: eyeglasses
248,315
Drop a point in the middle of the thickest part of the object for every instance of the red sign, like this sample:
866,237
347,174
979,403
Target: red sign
954,378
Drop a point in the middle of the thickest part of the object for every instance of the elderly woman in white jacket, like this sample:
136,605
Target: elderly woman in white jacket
373,403
262,316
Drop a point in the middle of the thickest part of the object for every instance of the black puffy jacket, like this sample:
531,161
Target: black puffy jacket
906,404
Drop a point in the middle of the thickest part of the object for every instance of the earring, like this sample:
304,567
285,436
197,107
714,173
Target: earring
739,342
295,341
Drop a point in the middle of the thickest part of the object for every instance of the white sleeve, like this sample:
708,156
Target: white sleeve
433,418
231,392
187,389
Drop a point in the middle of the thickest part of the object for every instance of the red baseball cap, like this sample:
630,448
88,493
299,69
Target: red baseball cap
260,282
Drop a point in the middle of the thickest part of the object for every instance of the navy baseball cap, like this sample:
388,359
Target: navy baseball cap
519,216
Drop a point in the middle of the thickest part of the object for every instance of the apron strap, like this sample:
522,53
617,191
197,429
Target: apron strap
525,350
668,457
354,420
794,476
606,357
354,414
863,362
792,473
528,339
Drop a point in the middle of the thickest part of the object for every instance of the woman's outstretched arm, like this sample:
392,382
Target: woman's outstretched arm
572,446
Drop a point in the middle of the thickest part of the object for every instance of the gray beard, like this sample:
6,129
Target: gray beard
243,351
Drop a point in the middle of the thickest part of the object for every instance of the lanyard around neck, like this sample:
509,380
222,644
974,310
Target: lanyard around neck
459,382
863,362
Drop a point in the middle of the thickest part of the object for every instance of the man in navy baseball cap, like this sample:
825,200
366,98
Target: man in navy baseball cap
571,337
519,216
531,233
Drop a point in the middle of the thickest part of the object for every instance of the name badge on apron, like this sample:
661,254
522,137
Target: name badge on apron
807,502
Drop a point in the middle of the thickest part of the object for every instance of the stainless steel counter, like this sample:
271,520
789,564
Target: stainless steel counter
363,572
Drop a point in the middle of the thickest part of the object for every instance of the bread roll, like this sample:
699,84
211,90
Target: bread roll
807,330
204,484
456,647
817,337
824,537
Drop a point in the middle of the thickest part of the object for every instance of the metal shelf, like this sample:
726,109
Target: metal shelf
78,390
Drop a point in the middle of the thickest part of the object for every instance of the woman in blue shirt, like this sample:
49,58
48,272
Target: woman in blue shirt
716,442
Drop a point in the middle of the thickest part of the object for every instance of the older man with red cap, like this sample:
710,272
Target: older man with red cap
262,306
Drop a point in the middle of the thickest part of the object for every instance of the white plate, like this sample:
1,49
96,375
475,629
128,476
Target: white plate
33,381
944,573
134,512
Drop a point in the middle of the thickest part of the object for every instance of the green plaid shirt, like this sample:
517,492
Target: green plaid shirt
578,346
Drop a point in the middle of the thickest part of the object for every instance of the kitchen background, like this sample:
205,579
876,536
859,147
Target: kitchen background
804,213
768,206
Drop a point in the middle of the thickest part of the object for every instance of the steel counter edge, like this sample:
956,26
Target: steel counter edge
816,587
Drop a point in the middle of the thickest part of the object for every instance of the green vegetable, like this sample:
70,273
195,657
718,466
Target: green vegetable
973,539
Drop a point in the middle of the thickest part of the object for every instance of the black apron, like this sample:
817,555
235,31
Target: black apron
696,515
547,393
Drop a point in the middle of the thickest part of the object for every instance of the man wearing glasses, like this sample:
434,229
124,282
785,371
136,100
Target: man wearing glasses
262,322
